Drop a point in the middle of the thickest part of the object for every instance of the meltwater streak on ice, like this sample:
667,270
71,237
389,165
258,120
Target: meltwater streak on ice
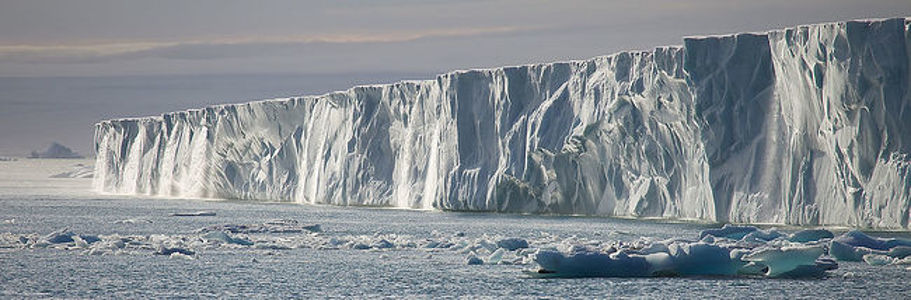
808,125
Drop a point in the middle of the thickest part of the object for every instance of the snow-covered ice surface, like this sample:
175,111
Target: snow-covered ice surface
61,240
805,125
78,171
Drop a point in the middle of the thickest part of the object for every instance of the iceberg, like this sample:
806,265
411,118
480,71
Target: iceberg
775,258
785,260
804,125
55,150
855,246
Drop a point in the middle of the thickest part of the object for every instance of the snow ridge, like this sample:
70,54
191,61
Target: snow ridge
806,125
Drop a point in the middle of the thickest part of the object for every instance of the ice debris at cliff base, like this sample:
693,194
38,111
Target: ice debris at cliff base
726,251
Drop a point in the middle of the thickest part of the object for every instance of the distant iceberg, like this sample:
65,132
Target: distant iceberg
55,150
806,125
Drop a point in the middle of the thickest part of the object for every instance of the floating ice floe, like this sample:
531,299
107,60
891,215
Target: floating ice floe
222,237
854,245
194,214
727,251
274,226
512,244
133,221
810,235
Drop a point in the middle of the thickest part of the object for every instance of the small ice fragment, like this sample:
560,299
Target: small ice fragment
313,228
271,246
903,261
845,252
512,244
382,244
171,250
786,259
827,263
194,214
487,245
96,251
274,226
225,238
133,221
495,257
728,231
178,255
900,252
810,235
59,236
79,241
762,235
878,259
474,260
89,239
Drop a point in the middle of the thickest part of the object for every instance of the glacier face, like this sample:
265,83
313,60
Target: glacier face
808,125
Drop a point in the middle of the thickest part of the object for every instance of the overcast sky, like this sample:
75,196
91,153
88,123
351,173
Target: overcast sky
116,37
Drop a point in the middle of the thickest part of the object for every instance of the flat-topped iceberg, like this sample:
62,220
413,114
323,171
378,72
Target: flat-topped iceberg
806,125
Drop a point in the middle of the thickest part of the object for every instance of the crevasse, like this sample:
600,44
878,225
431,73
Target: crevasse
808,125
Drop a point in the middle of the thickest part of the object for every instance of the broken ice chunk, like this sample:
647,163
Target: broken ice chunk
728,231
194,214
786,259
512,244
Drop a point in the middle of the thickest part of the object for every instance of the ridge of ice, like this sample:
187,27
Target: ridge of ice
806,126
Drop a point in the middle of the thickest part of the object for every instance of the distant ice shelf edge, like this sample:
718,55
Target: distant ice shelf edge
808,126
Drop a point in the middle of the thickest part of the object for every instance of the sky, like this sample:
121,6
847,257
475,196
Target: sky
117,37
67,64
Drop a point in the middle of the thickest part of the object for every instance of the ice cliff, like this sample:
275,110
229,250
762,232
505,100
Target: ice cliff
807,125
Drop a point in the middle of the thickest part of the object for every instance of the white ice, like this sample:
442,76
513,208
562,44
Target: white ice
805,125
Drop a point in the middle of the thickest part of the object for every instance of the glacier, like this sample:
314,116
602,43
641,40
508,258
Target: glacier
807,126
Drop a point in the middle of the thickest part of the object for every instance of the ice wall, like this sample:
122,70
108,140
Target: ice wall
808,125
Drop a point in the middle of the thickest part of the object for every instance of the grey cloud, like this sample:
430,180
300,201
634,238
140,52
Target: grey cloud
227,47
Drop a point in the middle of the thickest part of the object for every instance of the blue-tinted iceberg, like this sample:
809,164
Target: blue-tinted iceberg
726,256
854,245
